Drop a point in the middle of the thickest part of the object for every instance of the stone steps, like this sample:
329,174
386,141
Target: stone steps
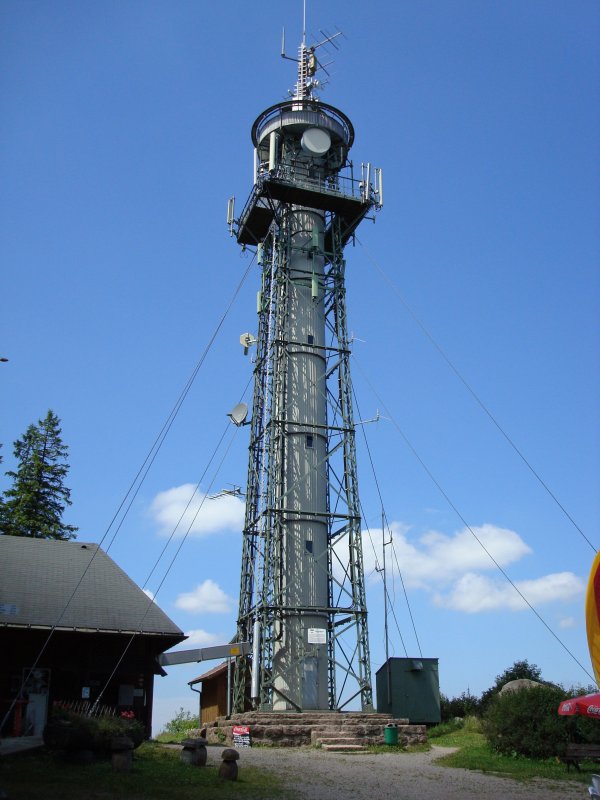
335,719
332,728
315,718
407,734
344,748
333,740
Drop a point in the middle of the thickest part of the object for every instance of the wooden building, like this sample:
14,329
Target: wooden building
74,628
213,693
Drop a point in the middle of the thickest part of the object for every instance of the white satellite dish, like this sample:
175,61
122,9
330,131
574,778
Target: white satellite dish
238,414
315,141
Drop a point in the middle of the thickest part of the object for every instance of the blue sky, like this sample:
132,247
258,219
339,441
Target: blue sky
126,127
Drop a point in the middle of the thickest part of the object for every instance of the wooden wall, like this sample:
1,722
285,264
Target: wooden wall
214,698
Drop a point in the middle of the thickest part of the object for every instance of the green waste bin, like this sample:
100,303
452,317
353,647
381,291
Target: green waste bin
391,733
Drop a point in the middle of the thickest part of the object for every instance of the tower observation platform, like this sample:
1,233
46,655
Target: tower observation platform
302,594
296,180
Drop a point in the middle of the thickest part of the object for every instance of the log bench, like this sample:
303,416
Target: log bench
576,752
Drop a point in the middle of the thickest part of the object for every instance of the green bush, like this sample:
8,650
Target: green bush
107,728
527,723
464,705
520,669
472,724
70,731
445,727
182,721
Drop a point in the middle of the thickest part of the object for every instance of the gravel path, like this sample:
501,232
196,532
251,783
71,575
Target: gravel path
320,775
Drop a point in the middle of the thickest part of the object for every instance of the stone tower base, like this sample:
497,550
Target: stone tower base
328,729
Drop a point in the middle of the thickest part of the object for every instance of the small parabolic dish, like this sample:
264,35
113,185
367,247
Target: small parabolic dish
238,414
315,141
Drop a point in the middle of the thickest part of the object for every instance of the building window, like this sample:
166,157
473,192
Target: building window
309,440
309,545
311,338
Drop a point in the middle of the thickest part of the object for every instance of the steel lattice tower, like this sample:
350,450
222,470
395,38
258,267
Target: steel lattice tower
302,594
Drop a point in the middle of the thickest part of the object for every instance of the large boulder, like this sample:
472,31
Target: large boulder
518,685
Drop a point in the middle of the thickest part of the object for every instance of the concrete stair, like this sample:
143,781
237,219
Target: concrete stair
341,744
342,731
345,748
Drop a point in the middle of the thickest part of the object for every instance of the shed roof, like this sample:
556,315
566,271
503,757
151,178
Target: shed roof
212,673
46,583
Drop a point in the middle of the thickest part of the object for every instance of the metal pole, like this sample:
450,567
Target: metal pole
229,686
255,690
385,617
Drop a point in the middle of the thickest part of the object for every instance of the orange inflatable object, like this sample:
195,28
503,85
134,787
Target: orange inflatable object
592,616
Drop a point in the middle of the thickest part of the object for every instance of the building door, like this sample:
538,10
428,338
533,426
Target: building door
37,684
310,683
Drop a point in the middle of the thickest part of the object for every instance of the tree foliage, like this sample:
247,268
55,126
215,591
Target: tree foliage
468,704
465,705
524,722
520,669
527,723
68,730
181,722
35,503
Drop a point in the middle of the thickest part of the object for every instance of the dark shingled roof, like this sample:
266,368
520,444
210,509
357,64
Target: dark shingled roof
39,576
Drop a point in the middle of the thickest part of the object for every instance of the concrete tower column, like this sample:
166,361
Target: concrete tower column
300,666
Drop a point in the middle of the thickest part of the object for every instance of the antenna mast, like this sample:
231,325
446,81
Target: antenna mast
302,591
308,64
304,22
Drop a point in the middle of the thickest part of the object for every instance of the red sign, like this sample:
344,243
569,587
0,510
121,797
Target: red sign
240,730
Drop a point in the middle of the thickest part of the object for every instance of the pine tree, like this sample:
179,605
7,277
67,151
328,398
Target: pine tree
35,503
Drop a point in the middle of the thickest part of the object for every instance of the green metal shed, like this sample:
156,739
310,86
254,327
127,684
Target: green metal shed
409,688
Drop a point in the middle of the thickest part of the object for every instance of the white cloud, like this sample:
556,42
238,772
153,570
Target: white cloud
474,593
207,598
451,568
200,638
437,559
148,593
567,622
202,516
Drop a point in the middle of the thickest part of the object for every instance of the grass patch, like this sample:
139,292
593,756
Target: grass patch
176,737
460,738
467,725
157,774
475,753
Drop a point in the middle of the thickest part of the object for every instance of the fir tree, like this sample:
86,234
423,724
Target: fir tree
36,501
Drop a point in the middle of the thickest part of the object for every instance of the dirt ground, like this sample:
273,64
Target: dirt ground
320,775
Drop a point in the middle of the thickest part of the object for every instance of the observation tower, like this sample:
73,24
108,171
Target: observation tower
302,600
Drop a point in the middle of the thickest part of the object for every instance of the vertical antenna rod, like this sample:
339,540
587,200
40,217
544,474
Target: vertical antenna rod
304,22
